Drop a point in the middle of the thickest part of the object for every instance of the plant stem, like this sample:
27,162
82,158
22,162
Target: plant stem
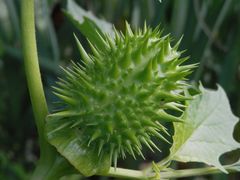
137,174
126,173
194,172
39,105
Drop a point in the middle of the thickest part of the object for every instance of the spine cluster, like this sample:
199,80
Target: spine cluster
117,98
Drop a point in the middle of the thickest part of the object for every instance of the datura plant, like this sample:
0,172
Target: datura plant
120,97
117,99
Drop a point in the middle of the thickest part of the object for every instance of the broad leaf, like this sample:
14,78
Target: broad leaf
208,130
88,24
68,143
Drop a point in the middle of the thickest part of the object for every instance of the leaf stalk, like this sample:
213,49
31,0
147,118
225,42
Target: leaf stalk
34,82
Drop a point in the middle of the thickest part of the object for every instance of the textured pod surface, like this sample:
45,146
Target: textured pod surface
116,100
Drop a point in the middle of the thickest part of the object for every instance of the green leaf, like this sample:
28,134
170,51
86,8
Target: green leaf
208,130
88,24
68,143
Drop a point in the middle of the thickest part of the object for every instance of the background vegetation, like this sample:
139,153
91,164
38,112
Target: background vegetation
211,36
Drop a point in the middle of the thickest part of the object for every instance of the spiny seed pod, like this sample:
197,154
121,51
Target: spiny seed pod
116,99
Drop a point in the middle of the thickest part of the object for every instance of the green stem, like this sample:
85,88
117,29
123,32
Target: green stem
194,172
137,174
39,105
126,173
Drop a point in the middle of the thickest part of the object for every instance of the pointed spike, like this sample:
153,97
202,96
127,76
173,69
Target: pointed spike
94,49
148,122
60,127
81,73
96,135
132,137
137,57
63,83
60,90
145,46
66,99
162,128
119,142
153,145
122,35
183,85
172,105
179,105
139,152
122,117
167,46
100,146
161,55
157,31
84,83
71,70
68,74
145,27
73,63
80,66
115,158
147,74
83,53
147,144
139,32
110,42
188,67
177,75
129,147
66,113
128,29
176,46
78,122
167,117
122,153
168,64
157,134
117,36
159,127
98,62
92,124
164,139
168,96
105,45
180,61
155,64
111,151
125,63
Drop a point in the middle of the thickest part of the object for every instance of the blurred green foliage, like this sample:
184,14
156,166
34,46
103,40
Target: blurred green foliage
211,32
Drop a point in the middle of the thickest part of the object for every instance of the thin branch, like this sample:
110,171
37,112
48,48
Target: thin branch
137,174
204,26
223,12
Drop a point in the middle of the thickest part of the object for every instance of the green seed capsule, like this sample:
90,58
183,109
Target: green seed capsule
119,98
